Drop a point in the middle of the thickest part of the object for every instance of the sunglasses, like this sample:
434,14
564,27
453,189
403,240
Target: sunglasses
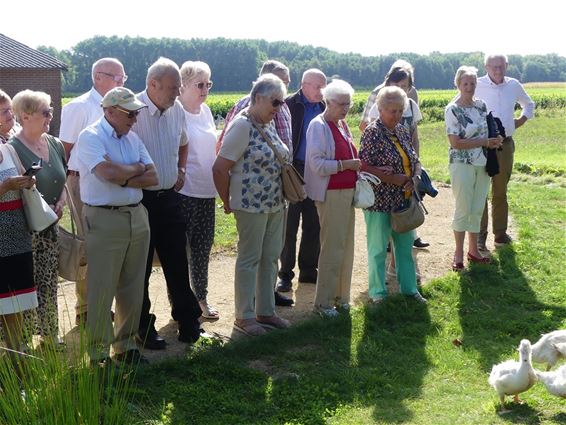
276,103
130,114
47,113
116,78
202,85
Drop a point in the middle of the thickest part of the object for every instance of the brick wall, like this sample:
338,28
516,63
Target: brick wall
13,80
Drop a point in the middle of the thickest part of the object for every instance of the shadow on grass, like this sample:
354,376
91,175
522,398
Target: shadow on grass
371,357
498,308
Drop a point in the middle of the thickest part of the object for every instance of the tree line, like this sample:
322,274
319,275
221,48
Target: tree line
235,63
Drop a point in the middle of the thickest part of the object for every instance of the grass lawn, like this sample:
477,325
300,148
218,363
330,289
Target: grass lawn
397,363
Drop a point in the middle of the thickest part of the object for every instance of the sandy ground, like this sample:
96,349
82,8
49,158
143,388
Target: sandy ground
432,262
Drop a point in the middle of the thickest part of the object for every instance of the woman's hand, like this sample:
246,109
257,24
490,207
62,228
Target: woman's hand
351,164
494,142
400,179
58,208
386,169
19,182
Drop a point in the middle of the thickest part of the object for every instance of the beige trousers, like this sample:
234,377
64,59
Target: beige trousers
81,285
117,244
336,260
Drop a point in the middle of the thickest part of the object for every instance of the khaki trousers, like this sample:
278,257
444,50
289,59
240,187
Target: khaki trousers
118,244
81,285
337,224
499,182
260,240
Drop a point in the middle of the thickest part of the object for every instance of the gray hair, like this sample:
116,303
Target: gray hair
391,95
464,70
337,88
102,62
272,66
4,97
28,102
489,56
267,85
190,70
160,68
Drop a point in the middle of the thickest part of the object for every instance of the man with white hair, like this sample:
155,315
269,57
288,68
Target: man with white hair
161,126
107,73
501,94
304,105
114,167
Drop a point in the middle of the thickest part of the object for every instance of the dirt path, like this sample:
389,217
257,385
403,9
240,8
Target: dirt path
433,262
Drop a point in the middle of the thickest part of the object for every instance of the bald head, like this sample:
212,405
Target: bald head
312,83
108,73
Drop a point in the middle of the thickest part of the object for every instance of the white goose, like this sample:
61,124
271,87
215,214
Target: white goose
513,378
546,351
554,381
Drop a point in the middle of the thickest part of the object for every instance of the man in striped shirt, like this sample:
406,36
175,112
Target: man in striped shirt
161,126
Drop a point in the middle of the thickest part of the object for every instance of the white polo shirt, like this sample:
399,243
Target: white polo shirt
77,115
162,134
501,99
94,143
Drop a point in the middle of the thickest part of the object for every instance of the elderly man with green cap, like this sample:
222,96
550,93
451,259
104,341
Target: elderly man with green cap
114,167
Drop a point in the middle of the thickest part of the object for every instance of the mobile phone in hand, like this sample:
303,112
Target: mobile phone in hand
34,169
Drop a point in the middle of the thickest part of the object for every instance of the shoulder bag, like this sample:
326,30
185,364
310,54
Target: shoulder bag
364,197
293,182
39,215
72,246
409,217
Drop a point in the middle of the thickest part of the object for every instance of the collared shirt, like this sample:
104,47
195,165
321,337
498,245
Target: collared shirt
311,110
282,121
94,143
501,100
162,134
77,115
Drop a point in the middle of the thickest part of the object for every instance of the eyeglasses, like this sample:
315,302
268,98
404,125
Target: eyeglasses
276,103
7,111
116,78
130,114
344,105
202,85
47,113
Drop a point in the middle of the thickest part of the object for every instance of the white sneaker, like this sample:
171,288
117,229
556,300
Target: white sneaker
326,313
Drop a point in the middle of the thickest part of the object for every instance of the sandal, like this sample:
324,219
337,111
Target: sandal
273,322
249,327
457,267
478,260
208,312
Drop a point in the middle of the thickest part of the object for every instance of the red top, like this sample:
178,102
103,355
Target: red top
343,150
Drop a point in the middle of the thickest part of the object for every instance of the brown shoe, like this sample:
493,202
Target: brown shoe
273,322
505,239
249,327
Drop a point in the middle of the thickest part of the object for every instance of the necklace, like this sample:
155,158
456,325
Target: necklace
40,148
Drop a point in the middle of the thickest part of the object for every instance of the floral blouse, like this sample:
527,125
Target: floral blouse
378,149
467,122
255,178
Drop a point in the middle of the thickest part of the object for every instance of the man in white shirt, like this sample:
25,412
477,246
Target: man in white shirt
107,73
114,167
501,93
161,126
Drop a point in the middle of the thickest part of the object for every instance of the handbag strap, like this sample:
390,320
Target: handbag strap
419,200
267,139
75,220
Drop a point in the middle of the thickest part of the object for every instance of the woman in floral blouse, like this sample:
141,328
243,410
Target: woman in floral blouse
247,176
466,127
386,152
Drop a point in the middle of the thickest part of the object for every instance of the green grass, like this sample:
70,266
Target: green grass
395,364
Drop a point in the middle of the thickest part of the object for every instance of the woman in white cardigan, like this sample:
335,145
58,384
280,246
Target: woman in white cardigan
330,173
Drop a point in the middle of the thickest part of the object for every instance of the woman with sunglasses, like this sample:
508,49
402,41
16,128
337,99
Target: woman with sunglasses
33,143
198,190
247,176
331,164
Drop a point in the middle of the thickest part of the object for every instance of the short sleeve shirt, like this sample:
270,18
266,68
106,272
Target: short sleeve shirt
467,122
255,178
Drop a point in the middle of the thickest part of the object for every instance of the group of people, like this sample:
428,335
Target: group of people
143,172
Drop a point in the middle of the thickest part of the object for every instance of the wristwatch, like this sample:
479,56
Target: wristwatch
182,169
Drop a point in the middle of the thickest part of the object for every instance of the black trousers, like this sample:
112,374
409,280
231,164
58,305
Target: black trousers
309,248
167,225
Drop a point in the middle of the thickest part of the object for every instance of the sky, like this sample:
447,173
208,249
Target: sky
368,27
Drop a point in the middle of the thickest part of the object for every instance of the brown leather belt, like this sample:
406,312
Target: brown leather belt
73,173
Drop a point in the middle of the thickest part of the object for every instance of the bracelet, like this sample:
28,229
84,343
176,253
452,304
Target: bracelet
125,183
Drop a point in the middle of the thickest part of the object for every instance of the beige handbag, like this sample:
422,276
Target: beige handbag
293,182
411,217
72,246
